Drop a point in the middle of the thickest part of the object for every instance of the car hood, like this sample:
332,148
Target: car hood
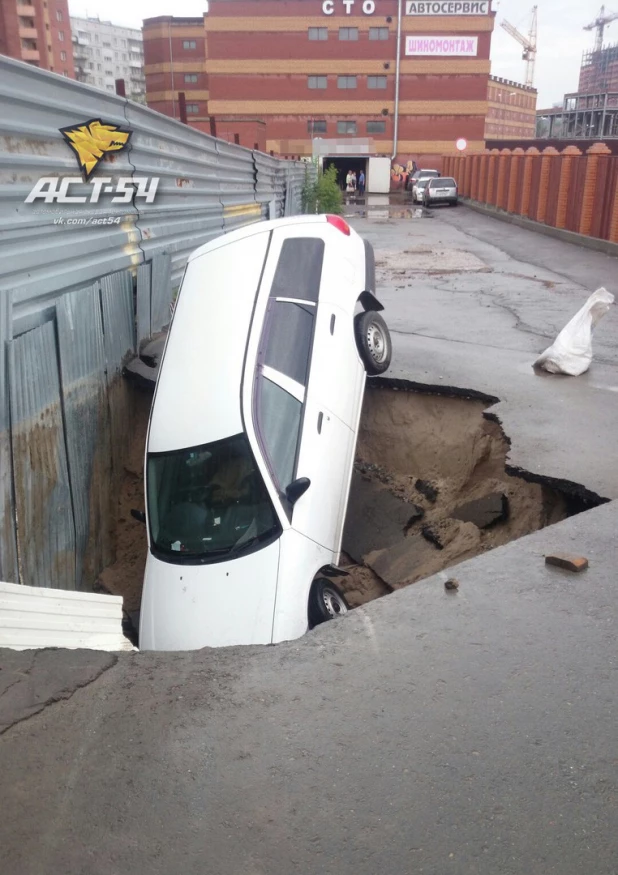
197,399
186,607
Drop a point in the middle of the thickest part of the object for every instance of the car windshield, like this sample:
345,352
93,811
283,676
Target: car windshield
208,503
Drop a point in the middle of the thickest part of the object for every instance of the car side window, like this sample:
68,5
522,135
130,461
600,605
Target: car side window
299,269
279,417
288,333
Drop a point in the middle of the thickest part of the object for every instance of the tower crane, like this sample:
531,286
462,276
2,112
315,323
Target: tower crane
599,24
528,43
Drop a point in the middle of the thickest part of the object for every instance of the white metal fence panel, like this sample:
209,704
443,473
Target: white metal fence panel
32,618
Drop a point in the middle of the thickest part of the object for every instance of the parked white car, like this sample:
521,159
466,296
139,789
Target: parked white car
418,184
252,434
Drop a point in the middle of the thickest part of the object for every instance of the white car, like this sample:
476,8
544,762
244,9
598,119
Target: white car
418,184
252,434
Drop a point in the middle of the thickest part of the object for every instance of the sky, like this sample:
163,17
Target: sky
561,38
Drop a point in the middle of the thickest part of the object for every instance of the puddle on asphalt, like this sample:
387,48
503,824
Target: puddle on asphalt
391,213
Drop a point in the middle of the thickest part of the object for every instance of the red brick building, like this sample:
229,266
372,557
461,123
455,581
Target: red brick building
327,68
511,110
39,33
175,62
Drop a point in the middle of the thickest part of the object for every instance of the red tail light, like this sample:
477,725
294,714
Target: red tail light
339,223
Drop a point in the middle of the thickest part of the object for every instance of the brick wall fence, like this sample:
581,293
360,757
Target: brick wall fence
569,189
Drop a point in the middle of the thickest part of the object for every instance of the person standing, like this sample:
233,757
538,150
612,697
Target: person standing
361,182
349,183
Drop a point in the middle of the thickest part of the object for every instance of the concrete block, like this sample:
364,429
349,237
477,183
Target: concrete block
484,512
376,518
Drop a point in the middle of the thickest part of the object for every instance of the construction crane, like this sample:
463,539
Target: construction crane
528,42
599,25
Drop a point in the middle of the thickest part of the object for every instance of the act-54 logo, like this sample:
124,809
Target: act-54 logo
90,142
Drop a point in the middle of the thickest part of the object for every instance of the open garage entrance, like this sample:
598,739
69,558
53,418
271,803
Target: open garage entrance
344,164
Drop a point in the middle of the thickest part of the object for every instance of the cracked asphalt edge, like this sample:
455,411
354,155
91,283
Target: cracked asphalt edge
39,685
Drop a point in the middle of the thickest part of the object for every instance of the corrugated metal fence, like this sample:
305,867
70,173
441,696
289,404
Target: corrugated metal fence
77,299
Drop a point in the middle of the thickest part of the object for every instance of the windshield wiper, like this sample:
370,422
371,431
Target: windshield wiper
251,542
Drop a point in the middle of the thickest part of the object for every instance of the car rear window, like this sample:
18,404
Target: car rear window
299,269
444,182
288,332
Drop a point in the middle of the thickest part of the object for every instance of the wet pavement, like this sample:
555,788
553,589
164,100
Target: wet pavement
471,303
433,731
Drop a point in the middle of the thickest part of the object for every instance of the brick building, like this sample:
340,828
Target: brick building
511,110
39,33
175,62
327,68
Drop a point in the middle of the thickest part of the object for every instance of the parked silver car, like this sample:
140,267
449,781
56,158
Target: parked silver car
441,191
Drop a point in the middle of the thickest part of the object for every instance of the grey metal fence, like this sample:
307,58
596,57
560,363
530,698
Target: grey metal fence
77,299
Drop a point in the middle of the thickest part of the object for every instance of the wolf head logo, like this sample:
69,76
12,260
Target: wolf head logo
92,140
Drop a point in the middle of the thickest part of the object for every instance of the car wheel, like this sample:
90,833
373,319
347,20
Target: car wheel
374,342
326,602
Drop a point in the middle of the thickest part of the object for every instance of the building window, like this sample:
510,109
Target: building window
348,33
190,77
61,36
376,81
317,81
378,33
63,57
346,81
318,33
346,127
192,108
99,68
58,15
376,127
316,126
188,44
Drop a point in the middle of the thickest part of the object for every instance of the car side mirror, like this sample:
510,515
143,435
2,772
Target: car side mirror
297,488
138,515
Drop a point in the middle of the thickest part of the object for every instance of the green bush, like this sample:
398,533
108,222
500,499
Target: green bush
323,194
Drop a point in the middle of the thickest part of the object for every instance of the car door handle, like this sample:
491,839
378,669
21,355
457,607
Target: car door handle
320,418
332,324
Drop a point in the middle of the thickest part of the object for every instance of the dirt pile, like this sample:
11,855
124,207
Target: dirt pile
430,490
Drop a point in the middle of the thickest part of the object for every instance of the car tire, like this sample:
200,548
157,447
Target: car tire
374,343
326,602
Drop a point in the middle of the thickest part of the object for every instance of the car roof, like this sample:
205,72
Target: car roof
258,227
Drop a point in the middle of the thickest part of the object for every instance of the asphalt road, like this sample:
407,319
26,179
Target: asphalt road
479,323
429,732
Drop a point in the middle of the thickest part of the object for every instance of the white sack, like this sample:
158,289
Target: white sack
571,351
